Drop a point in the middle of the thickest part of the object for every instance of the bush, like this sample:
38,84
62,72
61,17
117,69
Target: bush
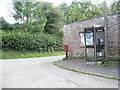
106,63
25,41
111,61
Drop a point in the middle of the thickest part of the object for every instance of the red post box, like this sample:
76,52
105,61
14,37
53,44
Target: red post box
65,47
66,50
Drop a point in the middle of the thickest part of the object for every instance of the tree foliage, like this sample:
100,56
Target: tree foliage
54,22
23,11
4,25
46,17
83,10
51,19
115,7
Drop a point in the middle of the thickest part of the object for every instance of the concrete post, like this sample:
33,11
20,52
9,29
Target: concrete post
106,29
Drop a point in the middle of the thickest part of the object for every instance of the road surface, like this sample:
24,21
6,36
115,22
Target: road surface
40,73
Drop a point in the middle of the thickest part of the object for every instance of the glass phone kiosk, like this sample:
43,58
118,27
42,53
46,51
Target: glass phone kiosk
94,43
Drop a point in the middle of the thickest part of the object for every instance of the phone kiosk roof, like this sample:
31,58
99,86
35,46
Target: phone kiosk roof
94,27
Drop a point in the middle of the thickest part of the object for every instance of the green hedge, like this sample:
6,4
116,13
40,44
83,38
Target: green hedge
25,41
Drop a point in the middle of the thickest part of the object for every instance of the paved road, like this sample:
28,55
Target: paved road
40,73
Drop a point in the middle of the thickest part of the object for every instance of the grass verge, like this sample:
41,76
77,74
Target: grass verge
18,54
83,72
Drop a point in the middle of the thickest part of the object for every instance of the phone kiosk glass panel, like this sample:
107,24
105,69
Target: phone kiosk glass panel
89,43
100,43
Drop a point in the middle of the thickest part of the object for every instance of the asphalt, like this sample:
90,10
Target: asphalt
40,73
82,65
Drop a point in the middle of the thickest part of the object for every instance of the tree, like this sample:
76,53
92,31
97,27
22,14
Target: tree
39,16
29,12
23,11
40,11
82,10
5,25
115,7
65,8
55,19
18,8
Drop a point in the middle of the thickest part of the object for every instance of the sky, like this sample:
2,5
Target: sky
6,7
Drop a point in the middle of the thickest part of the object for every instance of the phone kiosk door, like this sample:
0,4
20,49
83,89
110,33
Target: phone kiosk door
89,43
100,43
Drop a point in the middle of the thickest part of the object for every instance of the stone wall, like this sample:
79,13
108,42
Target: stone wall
72,35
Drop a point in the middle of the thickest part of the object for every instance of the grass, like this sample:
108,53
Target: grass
83,72
17,54
79,57
110,62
